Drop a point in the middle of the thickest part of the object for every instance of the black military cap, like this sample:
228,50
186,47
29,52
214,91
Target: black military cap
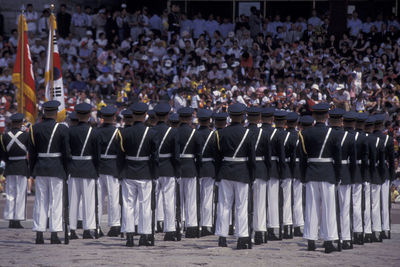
108,111
51,105
336,113
280,115
204,114
83,108
321,108
173,117
236,109
220,116
361,117
139,108
371,120
379,118
185,112
253,111
72,116
350,116
162,109
306,120
17,117
127,113
151,113
267,112
292,116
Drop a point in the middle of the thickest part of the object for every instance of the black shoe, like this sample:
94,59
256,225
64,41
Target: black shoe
159,227
205,231
361,239
17,225
143,241
11,224
297,232
376,237
129,240
192,232
258,238
329,247
114,231
271,235
368,238
286,233
347,245
383,235
54,239
222,242
73,235
311,245
356,238
231,230
242,243
39,238
169,236
79,225
87,235
136,231
150,239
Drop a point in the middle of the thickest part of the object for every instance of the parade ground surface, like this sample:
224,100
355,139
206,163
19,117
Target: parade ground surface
17,248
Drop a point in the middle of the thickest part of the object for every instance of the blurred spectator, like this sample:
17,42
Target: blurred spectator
63,21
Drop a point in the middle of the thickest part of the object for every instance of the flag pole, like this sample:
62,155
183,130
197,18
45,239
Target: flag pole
51,24
21,85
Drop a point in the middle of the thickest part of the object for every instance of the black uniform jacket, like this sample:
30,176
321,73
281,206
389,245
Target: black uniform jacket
312,140
206,167
192,153
349,155
388,144
290,152
229,139
362,149
279,169
267,128
137,164
84,168
39,138
13,153
110,139
262,151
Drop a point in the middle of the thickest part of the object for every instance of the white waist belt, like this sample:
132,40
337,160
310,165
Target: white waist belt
287,160
103,156
345,161
186,156
297,159
274,158
168,155
239,159
49,155
81,157
137,158
359,161
17,158
320,160
207,159
260,158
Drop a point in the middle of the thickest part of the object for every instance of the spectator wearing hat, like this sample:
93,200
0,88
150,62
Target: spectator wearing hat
341,98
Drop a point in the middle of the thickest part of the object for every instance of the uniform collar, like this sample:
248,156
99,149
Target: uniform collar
252,126
138,123
319,124
107,125
203,127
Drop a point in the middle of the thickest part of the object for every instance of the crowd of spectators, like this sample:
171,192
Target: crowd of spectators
202,61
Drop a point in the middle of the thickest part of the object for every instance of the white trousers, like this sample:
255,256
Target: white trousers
385,205
82,188
167,188
139,190
344,203
109,186
273,203
287,201
227,192
189,201
298,218
48,203
206,201
159,203
16,186
376,207
320,203
357,212
367,208
260,205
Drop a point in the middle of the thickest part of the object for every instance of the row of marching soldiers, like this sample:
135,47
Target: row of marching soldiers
190,179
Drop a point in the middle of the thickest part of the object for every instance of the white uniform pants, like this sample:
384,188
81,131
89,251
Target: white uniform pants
287,201
298,219
159,205
16,186
385,205
357,212
260,205
367,208
229,191
140,190
167,188
189,201
48,203
376,207
82,188
320,203
344,203
206,201
109,185
273,203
